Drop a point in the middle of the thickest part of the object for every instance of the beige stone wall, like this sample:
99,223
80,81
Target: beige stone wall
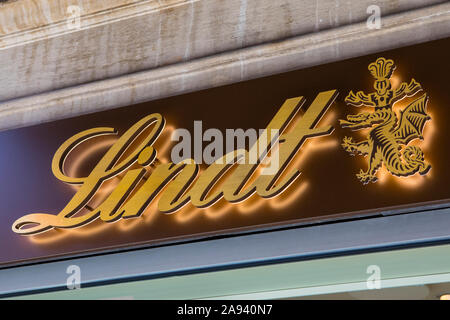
128,51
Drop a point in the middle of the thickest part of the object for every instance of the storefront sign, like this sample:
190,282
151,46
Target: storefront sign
114,182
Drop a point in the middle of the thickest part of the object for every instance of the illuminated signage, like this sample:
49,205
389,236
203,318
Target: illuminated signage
180,179
257,155
384,142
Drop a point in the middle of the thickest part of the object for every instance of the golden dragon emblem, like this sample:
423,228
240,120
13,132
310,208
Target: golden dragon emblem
387,141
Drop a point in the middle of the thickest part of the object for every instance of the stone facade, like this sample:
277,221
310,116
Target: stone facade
129,51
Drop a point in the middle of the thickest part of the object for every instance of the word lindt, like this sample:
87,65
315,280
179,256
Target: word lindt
178,183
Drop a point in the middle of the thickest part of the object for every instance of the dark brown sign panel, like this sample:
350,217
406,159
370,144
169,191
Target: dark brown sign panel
357,138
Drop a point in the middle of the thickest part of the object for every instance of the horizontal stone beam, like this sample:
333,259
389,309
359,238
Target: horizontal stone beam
39,52
299,52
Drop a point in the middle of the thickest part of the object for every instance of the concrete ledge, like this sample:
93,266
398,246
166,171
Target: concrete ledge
39,52
294,53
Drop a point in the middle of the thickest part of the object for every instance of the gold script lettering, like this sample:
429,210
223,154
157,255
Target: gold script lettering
179,180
